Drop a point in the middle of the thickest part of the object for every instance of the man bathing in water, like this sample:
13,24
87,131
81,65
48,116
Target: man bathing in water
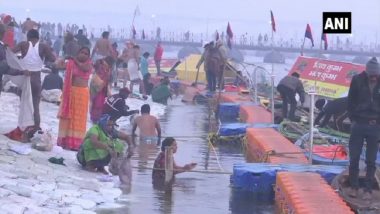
148,125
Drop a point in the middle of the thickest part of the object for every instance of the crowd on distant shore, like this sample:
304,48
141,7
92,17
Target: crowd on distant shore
52,31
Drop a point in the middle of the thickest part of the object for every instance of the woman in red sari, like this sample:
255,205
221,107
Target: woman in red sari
100,87
74,106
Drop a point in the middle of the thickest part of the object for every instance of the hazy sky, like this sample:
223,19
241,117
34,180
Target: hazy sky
250,16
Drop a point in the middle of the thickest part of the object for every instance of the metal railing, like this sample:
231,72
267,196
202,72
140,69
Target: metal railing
253,82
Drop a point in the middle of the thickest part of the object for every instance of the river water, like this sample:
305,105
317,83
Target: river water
192,192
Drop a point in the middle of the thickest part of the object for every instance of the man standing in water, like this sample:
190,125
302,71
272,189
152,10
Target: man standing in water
149,126
364,111
33,52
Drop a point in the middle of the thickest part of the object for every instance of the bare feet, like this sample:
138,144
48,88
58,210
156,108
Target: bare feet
103,170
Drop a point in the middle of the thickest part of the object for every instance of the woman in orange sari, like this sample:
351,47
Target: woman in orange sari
75,98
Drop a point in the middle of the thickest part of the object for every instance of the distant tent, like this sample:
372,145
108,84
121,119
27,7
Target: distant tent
274,57
235,55
360,60
187,51
187,69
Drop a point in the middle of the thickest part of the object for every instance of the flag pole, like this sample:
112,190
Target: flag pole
133,20
313,93
272,81
134,15
320,48
303,44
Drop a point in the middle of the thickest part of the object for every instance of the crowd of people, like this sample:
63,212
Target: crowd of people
89,73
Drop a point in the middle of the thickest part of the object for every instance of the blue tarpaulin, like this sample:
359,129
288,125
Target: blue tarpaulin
233,129
261,177
228,112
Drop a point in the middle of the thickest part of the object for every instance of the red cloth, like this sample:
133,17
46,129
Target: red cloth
9,37
16,134
7,19
331,152
158,53
272,21
309,35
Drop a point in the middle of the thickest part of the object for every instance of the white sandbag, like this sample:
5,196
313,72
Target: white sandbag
53,95
43,141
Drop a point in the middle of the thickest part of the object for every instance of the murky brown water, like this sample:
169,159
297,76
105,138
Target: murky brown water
192,192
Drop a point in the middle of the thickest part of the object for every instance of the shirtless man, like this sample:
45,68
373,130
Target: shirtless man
148,125
103,47
127,52
29,25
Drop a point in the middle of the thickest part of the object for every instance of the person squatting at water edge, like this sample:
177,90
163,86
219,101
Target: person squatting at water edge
336,108
115,105
161,93
364,111
158,174
101,144
288,87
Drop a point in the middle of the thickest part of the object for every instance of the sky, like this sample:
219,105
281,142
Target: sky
204,16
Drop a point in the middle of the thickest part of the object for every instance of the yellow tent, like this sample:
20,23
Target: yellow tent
187,69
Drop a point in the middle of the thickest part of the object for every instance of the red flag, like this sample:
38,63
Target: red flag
229,31
324,38
309,35
272,21
229,36
143,35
